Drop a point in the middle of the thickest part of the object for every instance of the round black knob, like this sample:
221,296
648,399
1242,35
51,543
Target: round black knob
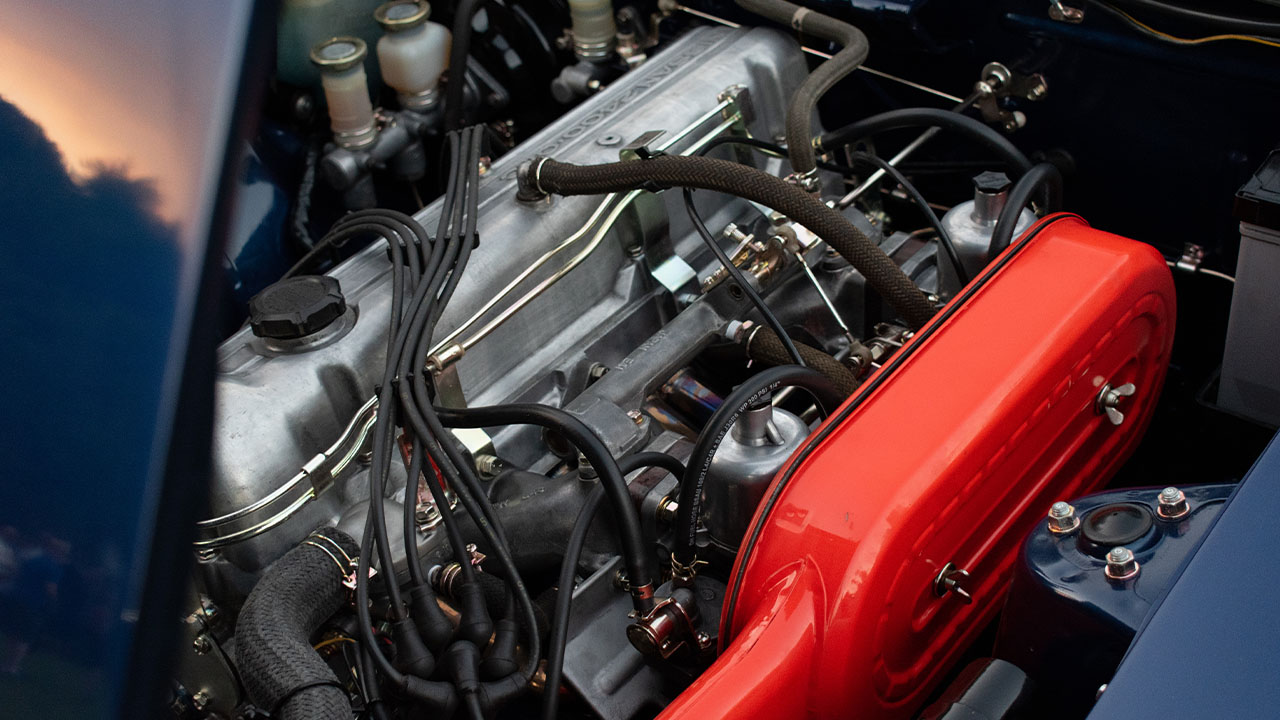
991,182
296,307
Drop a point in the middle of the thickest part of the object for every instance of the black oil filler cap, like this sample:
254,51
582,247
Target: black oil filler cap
1114,525
296,307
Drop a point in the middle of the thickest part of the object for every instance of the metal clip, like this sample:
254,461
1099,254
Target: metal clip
1063,13
1192,256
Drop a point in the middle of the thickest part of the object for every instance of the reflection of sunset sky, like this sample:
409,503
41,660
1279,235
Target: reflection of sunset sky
93,88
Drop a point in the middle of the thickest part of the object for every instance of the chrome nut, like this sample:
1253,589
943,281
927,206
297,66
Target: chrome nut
1121,564
1062,518
1171,504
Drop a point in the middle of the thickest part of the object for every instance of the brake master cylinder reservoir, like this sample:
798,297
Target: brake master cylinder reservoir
413,52
755,449
594,31
303,23
346,89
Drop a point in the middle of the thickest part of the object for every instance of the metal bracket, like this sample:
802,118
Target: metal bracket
639,149
738,99
998,82
1192,256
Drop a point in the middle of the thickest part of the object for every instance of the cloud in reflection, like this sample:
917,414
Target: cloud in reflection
89,274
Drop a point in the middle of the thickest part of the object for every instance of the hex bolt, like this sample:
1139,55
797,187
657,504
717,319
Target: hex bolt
1121,565
1062,518
489,466
202,645
667,509
1172,504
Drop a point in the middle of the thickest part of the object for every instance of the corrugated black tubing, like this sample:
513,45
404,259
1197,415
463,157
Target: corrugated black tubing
298,593
972,129
549,176
854,48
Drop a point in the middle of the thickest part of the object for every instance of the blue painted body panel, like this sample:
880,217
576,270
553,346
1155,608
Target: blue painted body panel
115,119
1209,649
256,254
1093,617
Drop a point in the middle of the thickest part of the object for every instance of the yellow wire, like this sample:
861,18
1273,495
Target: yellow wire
331,641
1193,41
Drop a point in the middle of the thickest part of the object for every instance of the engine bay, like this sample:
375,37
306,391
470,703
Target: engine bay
625,360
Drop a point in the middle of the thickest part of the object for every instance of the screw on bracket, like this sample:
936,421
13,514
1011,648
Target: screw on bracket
952,579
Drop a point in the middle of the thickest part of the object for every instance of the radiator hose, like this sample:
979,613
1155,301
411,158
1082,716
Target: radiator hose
854,48
296,594
543,175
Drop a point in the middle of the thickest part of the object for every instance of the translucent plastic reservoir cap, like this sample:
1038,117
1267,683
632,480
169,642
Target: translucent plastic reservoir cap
339,53
402,14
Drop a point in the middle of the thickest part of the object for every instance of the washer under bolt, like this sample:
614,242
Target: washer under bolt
1062,518
1121,565
1172,504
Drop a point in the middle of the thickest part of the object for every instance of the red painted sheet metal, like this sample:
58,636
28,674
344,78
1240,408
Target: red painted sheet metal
952,457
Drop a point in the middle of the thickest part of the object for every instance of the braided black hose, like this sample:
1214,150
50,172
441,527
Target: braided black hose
301,590
763,344
854,49
544,175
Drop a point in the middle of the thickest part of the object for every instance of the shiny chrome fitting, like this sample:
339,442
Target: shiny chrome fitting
1171,504
1121,564
1062,518
806,181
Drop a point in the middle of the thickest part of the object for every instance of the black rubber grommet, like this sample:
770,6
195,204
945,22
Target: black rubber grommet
1112,525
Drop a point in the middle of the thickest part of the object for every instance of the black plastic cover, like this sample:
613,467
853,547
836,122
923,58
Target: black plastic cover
987,689
1258,202
296,307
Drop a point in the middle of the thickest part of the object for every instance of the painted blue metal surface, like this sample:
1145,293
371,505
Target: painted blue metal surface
255,254
115,119
1209,649
1094,618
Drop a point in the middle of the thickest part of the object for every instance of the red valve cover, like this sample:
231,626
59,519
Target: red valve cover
951,453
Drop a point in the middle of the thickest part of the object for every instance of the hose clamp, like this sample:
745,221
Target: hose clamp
330,547
682,575
797,20
807,181
643,593
751,335
537,174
